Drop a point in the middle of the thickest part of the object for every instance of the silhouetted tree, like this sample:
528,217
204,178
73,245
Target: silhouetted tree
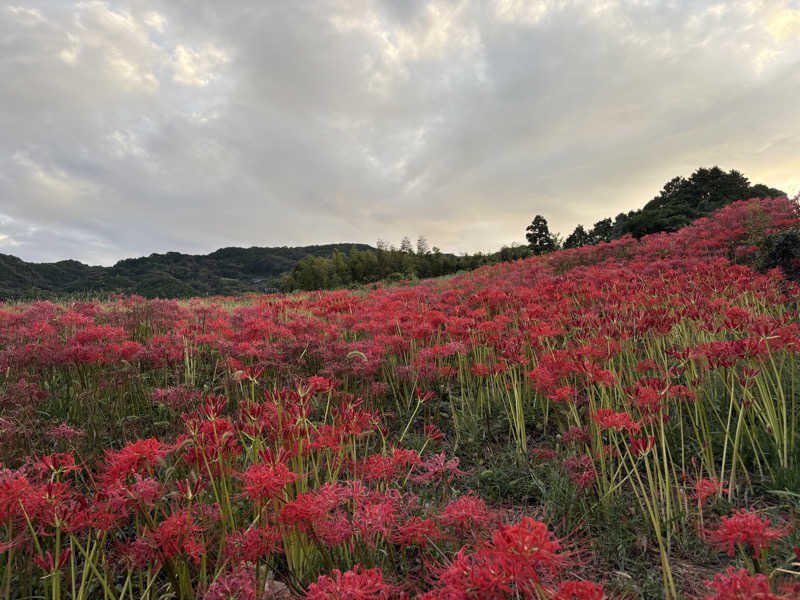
602,231
682,200
579,237
539,237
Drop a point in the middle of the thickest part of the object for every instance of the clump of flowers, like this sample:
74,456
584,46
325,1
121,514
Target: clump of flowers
740,585
356,584
746,529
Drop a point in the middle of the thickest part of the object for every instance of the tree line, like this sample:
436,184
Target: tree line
681,201
388,263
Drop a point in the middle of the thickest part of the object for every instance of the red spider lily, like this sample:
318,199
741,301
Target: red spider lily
608,419
214,443
319,385
145,492
520,561
253,373
136,554
647,400
179,534
47,563
58,463
544,454
212,407
740,585
603,378
190,489
437,468
252,544
238,584
404,458
468,577
263,482
433,433
579,590
141,454
564,393
376,516
789,589
527,550
705,488
417,531
581,470
640,445
376,467
748,528
465,513
335,529
423,397
646,365
480,370
578,435
310,507
18,496
353,421
356,584
66,432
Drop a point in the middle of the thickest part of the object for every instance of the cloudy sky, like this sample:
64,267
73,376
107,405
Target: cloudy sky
131,127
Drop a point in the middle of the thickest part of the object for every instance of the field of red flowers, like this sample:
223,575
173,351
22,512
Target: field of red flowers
613,421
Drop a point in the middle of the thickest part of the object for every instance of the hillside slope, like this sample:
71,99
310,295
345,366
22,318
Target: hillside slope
226,271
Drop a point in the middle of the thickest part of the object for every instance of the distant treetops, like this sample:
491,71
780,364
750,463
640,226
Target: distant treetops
680,202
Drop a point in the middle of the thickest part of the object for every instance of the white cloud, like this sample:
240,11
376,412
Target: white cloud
156,125
521,11
25,15
70,54
6,240
132,73
156,20
783,24
197,67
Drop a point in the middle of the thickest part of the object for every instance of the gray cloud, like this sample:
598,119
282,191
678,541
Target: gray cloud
154,125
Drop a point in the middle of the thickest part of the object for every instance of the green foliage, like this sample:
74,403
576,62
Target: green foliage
390,264
680,202
603,231
781,250
540,240
228,271
579,237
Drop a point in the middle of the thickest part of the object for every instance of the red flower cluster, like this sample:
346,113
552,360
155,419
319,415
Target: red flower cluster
117,464
748,528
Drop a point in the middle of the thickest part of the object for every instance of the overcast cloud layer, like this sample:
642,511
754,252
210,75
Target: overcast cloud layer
135,127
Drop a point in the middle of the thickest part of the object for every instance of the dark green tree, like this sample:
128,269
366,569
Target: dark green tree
760,190
539,237
540,240
579,237
602,231
683,200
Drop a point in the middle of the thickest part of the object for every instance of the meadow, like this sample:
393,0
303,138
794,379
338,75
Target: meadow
612,421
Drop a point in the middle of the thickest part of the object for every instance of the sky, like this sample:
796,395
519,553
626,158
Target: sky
144,126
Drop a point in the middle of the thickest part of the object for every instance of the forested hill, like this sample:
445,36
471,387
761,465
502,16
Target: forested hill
227,271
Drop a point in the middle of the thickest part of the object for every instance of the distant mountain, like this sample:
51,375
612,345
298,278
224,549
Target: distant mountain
227,271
